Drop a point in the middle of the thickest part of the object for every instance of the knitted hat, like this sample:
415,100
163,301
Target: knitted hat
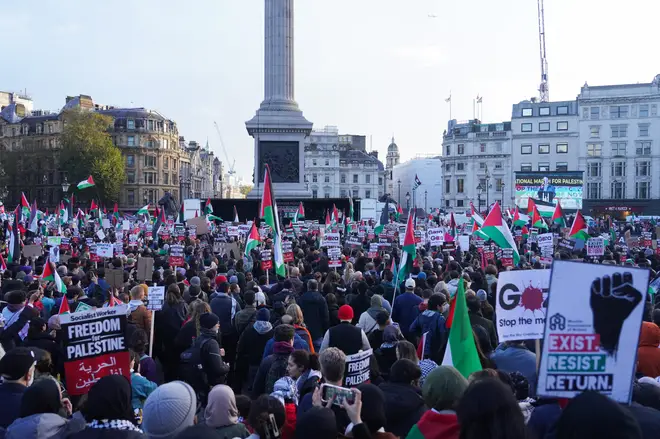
421,275
233,280
16,363
220,279
195,280
169,410
345,312
482,296
263,315
317,422
208,320
443,387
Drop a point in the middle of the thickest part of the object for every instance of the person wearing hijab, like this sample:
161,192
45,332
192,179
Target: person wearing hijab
39,414
221,414
368,319
108,412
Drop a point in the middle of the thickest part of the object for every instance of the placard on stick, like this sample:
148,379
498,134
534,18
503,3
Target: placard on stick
145,268
201,228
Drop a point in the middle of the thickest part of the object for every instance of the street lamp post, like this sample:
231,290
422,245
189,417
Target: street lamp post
399,198
480,190
425,194
408,201
488,186
415,199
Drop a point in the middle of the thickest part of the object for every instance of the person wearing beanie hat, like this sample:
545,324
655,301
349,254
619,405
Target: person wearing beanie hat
263,315
210,354
17,371
233,279
251,347
220,279
317,423
169,410
345,336
195,280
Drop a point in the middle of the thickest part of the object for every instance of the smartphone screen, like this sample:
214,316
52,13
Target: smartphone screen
340,394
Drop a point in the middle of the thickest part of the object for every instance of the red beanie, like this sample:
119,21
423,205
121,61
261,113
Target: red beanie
220,279
345,312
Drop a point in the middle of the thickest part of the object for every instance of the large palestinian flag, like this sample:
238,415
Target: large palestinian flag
496,229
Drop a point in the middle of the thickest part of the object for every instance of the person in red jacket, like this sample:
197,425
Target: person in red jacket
648,354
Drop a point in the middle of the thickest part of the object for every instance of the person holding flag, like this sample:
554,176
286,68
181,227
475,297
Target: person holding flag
271,217
300,213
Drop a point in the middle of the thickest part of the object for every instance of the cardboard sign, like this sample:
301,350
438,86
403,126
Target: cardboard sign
464,243
358,368
115,277
155,298
94,347
100,234
521,304
225,248
287,251
145,268
595,247
330,240
126,225
106,223
176,255
647,241
592,330
201,228
32,251
104,250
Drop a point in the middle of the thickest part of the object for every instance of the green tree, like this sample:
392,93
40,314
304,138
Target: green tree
245,189
87,149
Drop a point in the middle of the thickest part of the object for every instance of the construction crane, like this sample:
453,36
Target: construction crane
544,91
231,170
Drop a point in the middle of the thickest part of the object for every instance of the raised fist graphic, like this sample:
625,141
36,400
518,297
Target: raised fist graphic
612,300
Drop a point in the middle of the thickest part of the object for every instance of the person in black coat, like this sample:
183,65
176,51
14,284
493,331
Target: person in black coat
168,324
282,348
17,371
251,349
211,355
361,302
38,337
404,405
315,312
474,313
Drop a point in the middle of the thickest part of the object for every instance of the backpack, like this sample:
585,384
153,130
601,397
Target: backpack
276,371
191,369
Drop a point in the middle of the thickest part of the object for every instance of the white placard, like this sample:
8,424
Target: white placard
100,234
545,240
464,243
232,230
521,304
155,298
595,247
126,225
436,236
331,240
54,254
106,223
592,330
104,250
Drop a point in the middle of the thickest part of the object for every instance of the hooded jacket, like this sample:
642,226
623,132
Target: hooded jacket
648,354
44,426
405,310
435,324
404,406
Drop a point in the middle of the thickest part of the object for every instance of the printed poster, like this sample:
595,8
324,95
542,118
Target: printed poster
521,304
592,330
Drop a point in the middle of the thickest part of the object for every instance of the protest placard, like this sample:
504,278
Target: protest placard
595,247
115,277
373,250
330,240
155,298
464,243
287,251
521,304
176,255
199,224
353,241
32,251
358,369
647,239
566,244
232,231
507,257
94,347
266,260
334,257
592,330
126,225
104,250
545,240
436,236
145,268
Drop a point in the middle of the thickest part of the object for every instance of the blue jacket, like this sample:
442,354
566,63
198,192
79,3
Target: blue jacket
11,395
141,389
298,343
405,310
225,307
435,324
509,358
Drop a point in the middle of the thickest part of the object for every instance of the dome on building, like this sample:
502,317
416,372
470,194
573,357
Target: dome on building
393,148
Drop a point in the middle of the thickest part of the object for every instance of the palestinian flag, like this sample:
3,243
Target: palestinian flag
350,208
113,301
453,230
461,350
144,211
399,212
519,219
196,213
579,228
496,229
51,275
327,219
335,214
236,220
409,251
558,216
613,230
537,220
86,183
271,217
300,213
214,218
33,223
93,206
64,214
208,207
384,219
115,214
25,207
14,240
253,239
3,265
181,218
525,232
347,224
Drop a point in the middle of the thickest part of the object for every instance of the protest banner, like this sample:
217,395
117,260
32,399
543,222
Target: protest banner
330,240
199,224
521,304
383,242
104,250
592,330
464,243
155,298
287,251
358,369
126,225
176,255
266,260
353,241
373,250
647,240
334,255
94,347
595,247
545,240
436,236
507,257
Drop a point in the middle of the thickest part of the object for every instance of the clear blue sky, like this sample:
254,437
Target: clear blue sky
374,67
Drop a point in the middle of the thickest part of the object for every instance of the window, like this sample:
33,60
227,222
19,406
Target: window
561,166
447,203
355,178
593,190
50,128
367,194
130,124
618,169
525,149
461,149
315,193
448,167
498,147
327,195
499,185
165,144
166,178
315,178
149,178
327,179
459,203
51,143
343,178
527,112
642,169
482,147
643,130
498,165
342,193
619,130
525,167
380,181
447,186
562,125
130,177
595,131
313,162
130,141
544,126
544,167
562,148
526,127
593,169
619,111
130,197
448,150
356,193
459,185
482,165
149,143
618,148
562,110
644,110
460,166
150,160
367,178
327,162
594,149
643,148
618,189
544,149
642,189
151,125
595,113
544,111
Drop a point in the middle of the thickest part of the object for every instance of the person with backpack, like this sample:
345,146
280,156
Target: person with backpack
274,366
432,323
